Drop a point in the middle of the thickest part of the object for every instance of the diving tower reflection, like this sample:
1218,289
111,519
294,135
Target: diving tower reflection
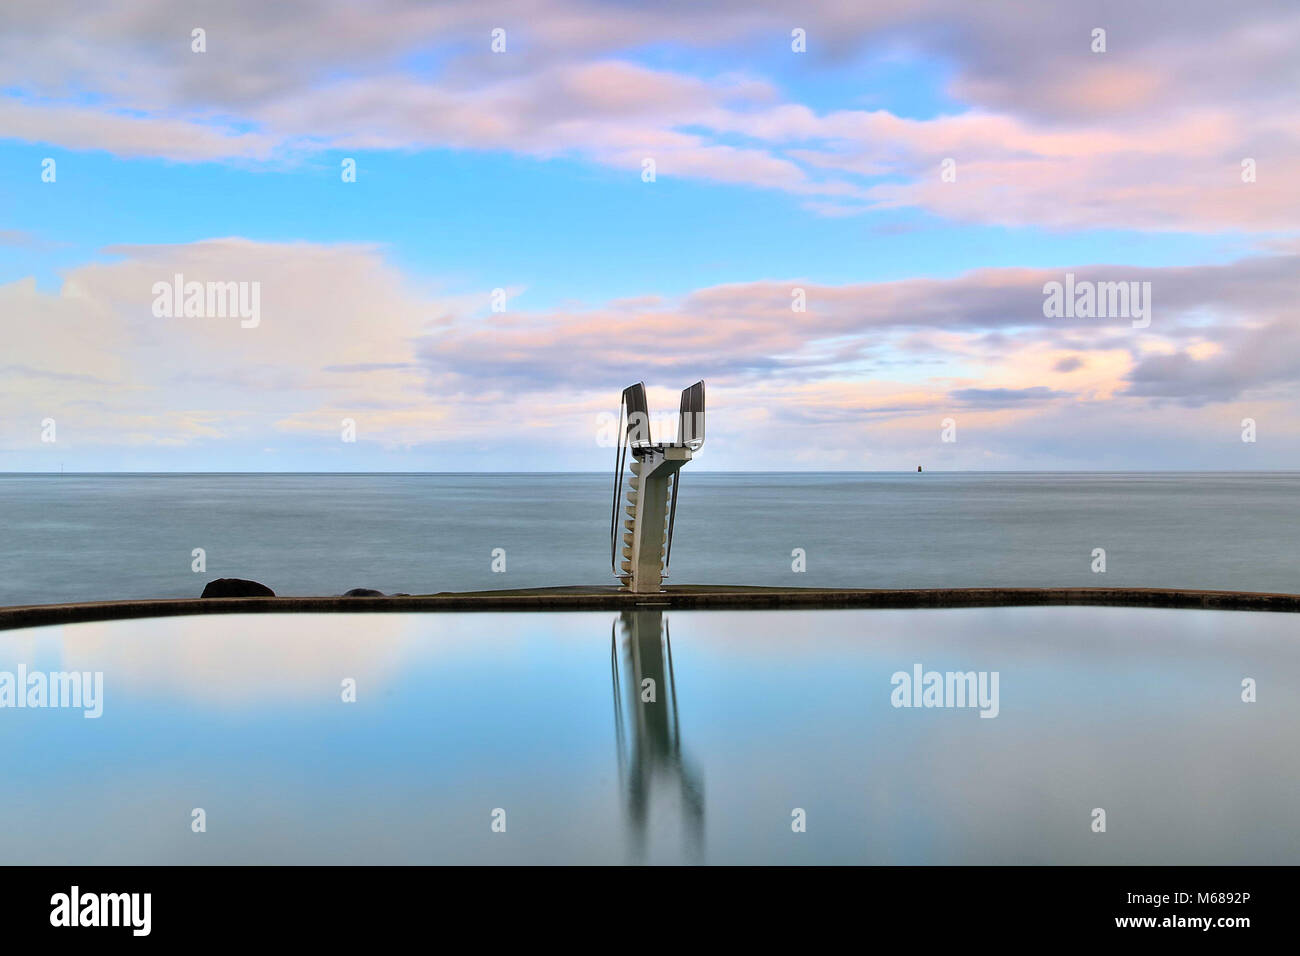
648,735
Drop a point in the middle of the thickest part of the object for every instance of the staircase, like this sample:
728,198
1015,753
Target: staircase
645,530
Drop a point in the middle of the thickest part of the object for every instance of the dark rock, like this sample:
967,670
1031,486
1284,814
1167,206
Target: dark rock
363,592
235,587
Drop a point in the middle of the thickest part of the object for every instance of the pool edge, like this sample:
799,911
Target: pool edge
692,597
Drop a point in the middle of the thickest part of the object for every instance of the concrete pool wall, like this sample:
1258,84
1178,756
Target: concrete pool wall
692,597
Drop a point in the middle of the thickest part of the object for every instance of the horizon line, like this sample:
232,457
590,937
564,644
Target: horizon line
1007,471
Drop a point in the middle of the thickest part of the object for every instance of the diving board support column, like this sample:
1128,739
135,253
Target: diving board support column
646,525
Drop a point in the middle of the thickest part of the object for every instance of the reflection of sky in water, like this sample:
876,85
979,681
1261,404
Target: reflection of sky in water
1137,711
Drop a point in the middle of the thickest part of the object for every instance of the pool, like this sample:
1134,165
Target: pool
803,736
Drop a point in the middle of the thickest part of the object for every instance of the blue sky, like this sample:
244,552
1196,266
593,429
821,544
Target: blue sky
523,171
564,231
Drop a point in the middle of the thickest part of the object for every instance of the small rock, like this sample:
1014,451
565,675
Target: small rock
363,592
236,587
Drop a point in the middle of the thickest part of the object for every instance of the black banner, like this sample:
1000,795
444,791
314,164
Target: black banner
332,904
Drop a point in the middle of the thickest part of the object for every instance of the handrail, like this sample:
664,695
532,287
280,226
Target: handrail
672,517
619,460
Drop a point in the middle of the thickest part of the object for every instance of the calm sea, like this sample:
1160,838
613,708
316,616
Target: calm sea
96,537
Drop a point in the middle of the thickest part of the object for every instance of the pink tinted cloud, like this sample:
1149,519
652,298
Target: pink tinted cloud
1142,136
866,373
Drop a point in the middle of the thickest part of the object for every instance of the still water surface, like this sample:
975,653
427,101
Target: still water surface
755,714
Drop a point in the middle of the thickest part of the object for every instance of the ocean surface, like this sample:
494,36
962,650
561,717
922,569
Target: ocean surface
759,721
100,537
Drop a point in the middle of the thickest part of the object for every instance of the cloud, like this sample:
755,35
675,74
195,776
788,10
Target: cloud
122,134
871,366
866,373
96,358
1248,360
1049,132
21,239
1002,397
26,371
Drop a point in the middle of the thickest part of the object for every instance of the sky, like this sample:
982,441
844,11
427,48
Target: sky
460,229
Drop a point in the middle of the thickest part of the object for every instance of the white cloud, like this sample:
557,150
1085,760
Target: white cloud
861,377
1143,136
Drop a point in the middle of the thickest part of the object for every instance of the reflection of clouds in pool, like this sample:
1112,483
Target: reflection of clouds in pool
248,659
233,660
1132,710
